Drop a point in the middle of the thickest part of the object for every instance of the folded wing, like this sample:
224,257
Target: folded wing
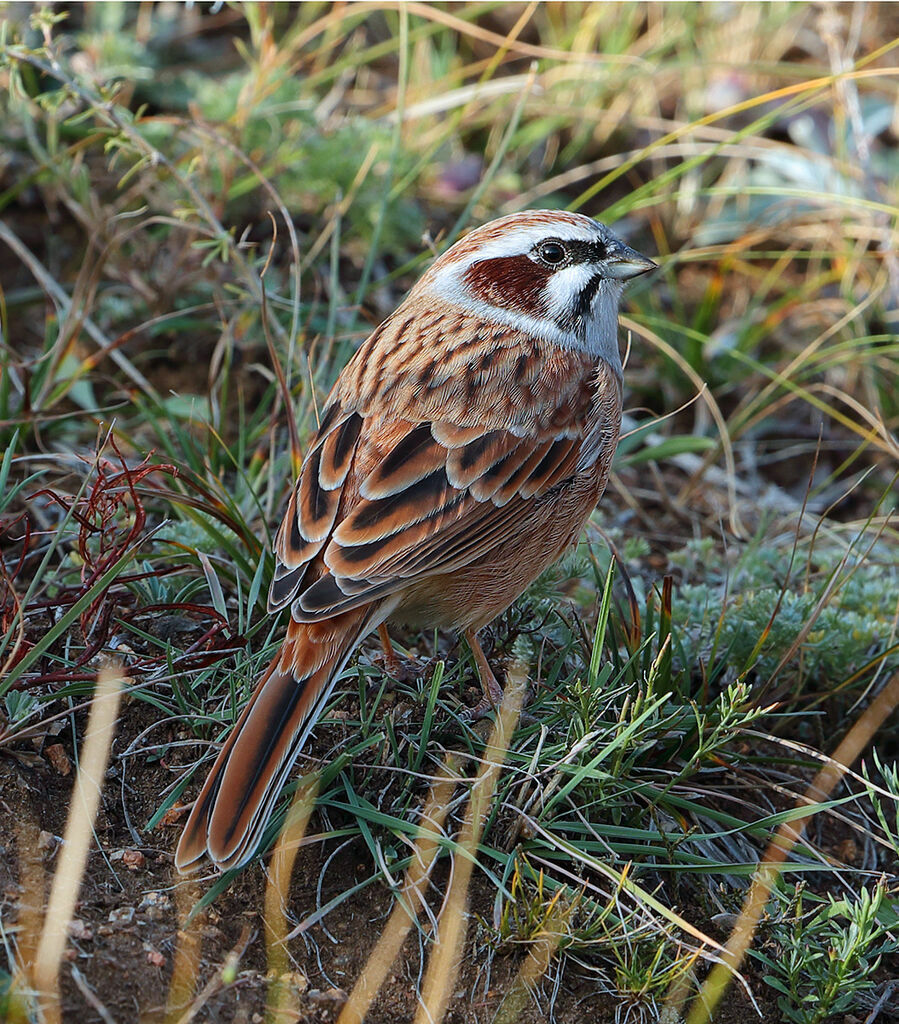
367,517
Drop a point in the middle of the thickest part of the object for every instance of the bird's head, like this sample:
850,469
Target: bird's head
550,273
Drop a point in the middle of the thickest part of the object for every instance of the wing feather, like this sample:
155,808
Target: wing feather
401,484
373,521
431,526
314,502
469,463
338,448
413,458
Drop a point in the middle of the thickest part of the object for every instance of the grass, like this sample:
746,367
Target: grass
203,214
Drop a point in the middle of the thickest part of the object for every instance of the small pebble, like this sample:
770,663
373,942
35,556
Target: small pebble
155,905
79,930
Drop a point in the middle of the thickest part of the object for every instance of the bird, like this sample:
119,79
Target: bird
459,453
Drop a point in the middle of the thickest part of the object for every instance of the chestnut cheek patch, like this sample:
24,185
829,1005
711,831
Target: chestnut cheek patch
510,282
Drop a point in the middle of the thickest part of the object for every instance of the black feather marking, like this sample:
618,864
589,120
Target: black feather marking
587,252
414,442
284,587
574,318
296,538
328,419
324,599
319,596
361,552
425,493
474,450
501,470
486,360
551,463
551,457
524,471
278,714
346,438
319,499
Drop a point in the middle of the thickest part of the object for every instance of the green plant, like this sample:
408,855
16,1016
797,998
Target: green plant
202,217
822,954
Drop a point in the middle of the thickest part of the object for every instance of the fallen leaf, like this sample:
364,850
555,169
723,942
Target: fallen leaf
57,756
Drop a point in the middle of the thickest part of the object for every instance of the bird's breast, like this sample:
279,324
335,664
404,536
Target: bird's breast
602,424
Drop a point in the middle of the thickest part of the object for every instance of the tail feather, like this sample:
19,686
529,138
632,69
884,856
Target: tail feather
237,799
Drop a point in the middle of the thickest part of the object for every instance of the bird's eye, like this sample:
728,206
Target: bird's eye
552,253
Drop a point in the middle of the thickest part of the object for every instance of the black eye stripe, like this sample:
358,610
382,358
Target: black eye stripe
571,252
588,252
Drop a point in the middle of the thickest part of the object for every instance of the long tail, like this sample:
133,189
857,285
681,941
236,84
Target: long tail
237,799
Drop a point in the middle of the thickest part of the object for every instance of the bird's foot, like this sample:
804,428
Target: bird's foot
490,701
400,667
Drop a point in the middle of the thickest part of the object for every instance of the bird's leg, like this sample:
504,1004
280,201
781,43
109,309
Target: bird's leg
403,670
493,692
391,662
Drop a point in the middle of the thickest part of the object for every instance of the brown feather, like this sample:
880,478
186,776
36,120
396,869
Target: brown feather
451,436
316,506
466,465
534,456
412,458
550,469
510,282
338,449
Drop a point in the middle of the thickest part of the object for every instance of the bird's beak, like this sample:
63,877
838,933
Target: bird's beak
625,263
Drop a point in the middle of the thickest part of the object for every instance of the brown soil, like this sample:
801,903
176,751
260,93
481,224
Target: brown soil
131,905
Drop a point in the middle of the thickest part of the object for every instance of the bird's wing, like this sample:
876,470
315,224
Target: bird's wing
438,498
421,467
314,502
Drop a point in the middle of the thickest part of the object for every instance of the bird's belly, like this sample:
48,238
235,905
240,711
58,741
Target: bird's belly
476,593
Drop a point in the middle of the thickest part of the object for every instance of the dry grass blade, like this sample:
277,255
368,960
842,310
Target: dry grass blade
76,844
411,899
453,923
46,280
224,975
189,947
493,38
788,835
31,873
736,524
276,893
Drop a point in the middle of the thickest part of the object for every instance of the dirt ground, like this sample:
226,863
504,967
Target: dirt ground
122,949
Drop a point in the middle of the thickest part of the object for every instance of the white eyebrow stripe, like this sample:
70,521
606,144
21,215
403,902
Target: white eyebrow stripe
522,241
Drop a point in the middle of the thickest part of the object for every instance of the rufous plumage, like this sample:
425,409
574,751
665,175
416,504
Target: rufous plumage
459,454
